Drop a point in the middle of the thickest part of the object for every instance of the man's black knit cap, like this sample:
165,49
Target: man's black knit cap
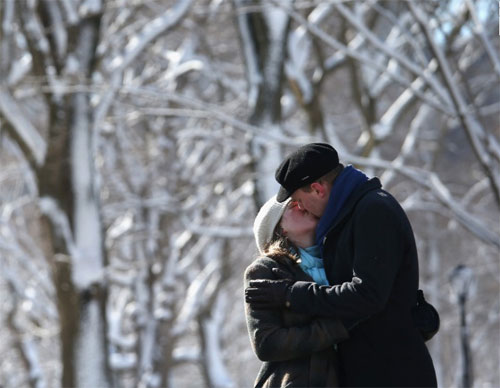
304,166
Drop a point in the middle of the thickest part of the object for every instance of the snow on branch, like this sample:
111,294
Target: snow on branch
24,131
90,7
479,30
416,70
254,75
220,231
480,142
19,69
51,209
70,11
213,111
218,375
184,354
23,342
6,34
351,52
401,23
386,123
277,21
198,294
469,222
151,31
408,144
15,249
35,29
475,190
340,57
432,182
126,341
188,258
299,51
177,241
278,25
57,27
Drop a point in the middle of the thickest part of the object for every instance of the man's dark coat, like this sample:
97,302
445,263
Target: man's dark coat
297,350
371,257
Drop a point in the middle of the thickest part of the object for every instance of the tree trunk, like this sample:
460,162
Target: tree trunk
264,36
72,220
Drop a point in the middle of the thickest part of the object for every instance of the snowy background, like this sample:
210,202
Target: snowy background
138,138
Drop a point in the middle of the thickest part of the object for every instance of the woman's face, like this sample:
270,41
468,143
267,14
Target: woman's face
299,225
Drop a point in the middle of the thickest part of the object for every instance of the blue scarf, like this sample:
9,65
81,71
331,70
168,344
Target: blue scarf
312,264
343,186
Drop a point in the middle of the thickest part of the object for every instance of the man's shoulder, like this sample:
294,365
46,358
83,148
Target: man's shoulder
377,195
377,200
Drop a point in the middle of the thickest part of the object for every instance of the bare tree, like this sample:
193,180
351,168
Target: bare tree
61,42
138,139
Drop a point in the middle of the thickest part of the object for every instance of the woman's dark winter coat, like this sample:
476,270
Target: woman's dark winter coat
297,350
371,258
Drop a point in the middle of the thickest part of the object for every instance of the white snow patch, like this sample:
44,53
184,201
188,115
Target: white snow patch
90,357
277,20
121,225
219,376
123,361
50,208
87,267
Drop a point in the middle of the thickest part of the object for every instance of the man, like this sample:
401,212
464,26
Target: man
371,260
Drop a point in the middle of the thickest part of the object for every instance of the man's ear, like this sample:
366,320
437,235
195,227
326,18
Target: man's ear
319,189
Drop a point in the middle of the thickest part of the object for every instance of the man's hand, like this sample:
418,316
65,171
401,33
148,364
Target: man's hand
268,294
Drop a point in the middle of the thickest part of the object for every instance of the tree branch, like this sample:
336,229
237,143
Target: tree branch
349,51
432,182
21,129
476,133
479,30
412,67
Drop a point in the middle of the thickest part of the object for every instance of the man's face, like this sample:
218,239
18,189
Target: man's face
314,201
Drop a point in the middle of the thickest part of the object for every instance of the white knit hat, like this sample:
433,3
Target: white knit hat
268,217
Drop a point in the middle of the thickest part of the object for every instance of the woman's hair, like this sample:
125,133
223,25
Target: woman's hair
280,247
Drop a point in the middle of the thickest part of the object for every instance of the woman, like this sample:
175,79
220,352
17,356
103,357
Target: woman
297,351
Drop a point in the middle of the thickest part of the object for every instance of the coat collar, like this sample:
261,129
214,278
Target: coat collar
357,194
343,187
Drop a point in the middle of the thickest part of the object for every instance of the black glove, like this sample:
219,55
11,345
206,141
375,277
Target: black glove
268,294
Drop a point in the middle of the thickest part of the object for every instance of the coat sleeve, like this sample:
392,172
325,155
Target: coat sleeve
272,341
378,238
